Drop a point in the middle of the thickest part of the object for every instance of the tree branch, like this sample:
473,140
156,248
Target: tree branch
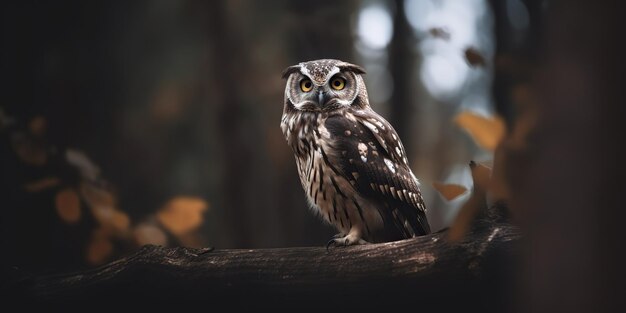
427,271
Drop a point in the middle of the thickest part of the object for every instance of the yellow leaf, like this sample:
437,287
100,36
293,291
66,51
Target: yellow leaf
99,248
182,214
68,205
112,220
42,184
146,233
486,131
476,203
120,220
481,175
449,191
465,217
102,203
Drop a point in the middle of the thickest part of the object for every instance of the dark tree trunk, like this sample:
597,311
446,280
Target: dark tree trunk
565,163
401,65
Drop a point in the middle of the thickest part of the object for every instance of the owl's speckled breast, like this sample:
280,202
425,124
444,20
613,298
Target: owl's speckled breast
328,192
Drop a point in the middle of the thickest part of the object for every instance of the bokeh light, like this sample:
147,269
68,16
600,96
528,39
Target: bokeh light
375,26
443,75
444,71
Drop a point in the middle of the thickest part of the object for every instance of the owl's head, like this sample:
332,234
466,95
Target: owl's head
324,85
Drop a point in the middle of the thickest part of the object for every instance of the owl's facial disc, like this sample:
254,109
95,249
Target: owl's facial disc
322,85
337,90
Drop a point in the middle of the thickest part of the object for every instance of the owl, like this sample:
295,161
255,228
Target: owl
351,162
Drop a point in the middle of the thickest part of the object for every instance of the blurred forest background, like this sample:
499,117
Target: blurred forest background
124,123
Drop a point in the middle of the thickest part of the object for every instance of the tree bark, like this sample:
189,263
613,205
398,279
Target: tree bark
423,272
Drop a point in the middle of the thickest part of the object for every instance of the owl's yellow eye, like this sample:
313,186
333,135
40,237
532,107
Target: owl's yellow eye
338,83
306,85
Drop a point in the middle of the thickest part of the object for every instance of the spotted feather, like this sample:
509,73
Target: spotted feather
396,191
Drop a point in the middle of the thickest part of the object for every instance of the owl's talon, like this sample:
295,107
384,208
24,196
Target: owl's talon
348,240
330,243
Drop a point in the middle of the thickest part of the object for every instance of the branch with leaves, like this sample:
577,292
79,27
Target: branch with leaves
78,208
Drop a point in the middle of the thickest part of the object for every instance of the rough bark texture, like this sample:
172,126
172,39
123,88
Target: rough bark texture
424,272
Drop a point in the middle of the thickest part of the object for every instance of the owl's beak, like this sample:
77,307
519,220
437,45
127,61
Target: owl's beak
321,98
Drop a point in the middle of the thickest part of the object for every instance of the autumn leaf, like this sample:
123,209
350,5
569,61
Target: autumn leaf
486,131
119,221
182,214
474,58
68,205
149,233
99,248
113,220
449,191
102,204
42,184
481,175
476,203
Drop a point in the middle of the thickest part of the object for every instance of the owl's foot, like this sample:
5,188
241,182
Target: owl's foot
350,239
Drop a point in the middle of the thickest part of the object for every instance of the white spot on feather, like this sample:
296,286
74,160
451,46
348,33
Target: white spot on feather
344,102
417,182
390,165
400,196
304,70
351,117
362,151
378,123
370,126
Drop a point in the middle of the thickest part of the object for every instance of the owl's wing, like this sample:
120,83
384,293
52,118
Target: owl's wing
369,159
384,134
